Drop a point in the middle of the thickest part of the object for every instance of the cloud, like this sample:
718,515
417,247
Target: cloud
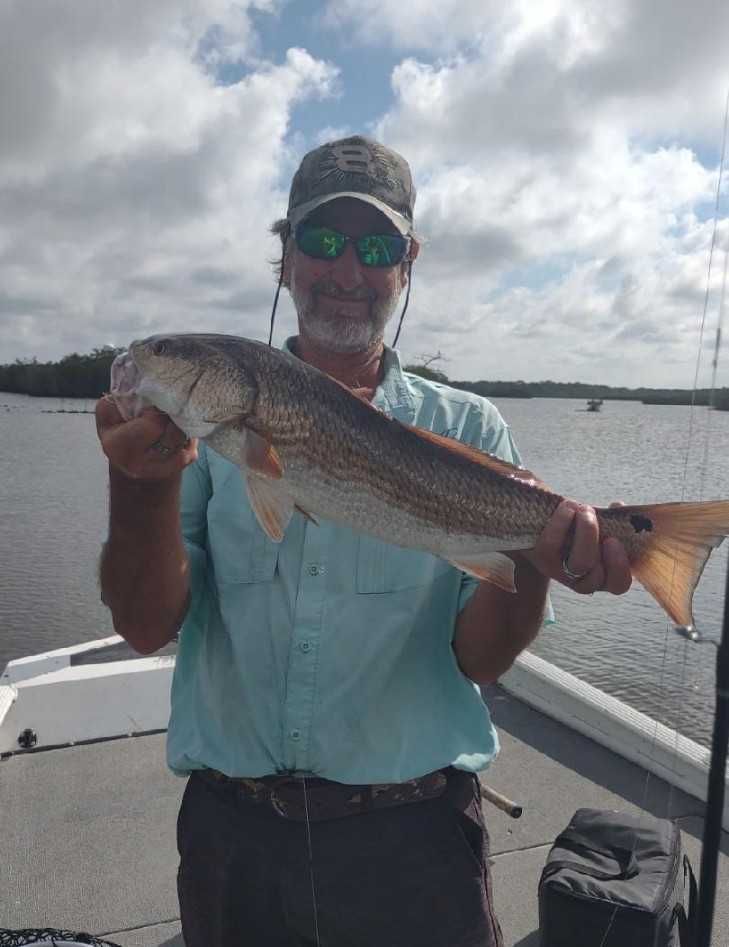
562,174
419,24
565,155
138,192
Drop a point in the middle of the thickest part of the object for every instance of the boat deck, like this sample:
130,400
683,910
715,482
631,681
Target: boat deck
89,831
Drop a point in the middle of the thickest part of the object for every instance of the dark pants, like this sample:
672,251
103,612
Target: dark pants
413,875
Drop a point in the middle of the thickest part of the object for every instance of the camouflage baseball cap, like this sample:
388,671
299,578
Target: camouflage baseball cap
354,167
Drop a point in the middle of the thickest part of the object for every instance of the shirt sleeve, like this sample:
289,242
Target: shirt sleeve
487,430
195,494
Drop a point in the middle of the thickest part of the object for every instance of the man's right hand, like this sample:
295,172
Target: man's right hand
150,447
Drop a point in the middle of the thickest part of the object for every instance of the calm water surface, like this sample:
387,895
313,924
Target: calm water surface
53,511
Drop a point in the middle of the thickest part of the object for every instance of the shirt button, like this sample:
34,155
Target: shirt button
305,646
316,570
295,734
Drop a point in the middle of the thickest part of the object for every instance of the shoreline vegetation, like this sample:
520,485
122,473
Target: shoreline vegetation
87,376
579,390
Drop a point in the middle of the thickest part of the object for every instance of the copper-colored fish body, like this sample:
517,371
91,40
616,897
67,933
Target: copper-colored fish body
305,442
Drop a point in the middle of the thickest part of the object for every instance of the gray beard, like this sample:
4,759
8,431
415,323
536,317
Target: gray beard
340,333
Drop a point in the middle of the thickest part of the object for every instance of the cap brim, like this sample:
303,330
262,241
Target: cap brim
303,210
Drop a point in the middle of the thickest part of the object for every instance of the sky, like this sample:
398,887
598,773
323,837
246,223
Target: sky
566,156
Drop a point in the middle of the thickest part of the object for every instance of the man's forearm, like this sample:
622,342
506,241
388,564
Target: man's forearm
495,626
144,567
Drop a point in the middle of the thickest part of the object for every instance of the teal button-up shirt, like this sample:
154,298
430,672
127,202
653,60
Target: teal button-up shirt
330,653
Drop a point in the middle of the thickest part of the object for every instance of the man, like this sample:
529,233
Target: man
325,697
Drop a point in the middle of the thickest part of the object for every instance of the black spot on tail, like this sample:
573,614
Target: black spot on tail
641,524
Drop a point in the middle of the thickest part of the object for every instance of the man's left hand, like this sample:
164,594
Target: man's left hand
569,550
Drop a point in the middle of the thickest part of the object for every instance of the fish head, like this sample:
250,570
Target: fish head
191,377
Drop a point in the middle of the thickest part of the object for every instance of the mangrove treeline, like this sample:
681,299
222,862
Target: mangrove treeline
576,389
87,376
75,376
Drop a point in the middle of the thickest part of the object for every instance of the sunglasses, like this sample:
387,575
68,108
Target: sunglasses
373,249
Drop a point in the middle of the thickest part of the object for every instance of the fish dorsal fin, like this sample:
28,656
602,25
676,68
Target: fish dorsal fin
259,455
496,464
272,506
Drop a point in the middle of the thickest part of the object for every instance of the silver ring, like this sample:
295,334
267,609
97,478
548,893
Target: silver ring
573,576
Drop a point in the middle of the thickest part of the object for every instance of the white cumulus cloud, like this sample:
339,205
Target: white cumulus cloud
135,191
565,182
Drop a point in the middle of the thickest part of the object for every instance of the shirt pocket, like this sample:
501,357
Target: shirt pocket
385,568
239,549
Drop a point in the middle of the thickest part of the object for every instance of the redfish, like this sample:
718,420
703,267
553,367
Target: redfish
305,443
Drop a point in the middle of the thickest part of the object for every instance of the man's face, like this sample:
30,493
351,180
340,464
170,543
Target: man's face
342,305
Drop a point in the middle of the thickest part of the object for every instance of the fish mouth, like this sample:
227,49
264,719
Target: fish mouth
125,380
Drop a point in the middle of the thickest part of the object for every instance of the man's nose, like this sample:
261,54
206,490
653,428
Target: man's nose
347,270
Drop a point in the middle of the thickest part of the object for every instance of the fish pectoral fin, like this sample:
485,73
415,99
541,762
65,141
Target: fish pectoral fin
259,455
493,567
272,505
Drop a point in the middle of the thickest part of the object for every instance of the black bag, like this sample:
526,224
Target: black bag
616,880
49,936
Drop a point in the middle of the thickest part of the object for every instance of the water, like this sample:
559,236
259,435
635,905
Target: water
637,453
53,516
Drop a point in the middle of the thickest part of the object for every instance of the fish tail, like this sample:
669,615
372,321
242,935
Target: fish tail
673,555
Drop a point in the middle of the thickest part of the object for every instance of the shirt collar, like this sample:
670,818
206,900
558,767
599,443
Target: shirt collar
393,395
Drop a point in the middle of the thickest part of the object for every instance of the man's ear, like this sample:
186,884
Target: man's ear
409,260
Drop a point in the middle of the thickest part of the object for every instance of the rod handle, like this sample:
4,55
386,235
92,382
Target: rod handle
501,802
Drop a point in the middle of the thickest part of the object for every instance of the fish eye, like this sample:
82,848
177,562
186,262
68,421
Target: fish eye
159,347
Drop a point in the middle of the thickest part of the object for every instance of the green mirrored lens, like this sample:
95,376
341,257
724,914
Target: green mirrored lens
381,249
320,242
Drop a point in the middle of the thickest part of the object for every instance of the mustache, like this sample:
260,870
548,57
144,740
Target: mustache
328,288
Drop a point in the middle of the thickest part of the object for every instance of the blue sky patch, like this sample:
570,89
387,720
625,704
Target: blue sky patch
364,71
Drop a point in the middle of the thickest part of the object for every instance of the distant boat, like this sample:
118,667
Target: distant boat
594,404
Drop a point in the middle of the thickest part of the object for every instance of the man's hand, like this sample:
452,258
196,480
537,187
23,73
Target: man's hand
144,571
570,543
150,447
494,627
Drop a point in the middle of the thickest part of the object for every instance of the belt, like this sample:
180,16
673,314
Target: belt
289,795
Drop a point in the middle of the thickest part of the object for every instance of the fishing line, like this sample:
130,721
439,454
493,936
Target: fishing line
715,366
275,303
707,432
684,663
311,863
717,204
716,782
407,300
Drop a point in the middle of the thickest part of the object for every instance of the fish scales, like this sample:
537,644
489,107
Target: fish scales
346,440
304,441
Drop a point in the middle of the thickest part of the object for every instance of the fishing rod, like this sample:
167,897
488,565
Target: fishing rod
700,924
716,787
